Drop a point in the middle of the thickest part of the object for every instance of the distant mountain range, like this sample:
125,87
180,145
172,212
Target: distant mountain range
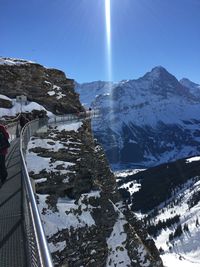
147,121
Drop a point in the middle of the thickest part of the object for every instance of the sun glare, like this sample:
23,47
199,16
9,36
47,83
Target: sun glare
108,37
108,20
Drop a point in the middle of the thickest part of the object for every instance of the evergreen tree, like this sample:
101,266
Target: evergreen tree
197,222
185,227
178,231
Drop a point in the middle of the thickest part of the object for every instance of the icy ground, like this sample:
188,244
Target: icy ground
173,260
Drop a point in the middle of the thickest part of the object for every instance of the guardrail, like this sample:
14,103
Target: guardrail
74,117
37,246
13,127
8,121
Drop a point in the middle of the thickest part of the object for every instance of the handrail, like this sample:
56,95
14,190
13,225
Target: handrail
9,121
42,256
74,116
12,127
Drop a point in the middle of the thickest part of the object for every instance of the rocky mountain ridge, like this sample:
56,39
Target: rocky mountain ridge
194,87
48,87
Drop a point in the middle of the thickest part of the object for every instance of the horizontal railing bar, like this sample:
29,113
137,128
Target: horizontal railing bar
42,245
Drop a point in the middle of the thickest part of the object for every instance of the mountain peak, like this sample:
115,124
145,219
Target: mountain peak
159,68
159,72
186,82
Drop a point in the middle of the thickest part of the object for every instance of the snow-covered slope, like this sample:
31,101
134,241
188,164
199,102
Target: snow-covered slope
17,107
175,221
89,91
193,87
148,121
187,244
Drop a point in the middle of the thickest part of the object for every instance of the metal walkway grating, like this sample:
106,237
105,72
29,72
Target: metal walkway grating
12,246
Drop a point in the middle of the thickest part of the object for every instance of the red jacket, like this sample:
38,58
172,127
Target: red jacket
6,134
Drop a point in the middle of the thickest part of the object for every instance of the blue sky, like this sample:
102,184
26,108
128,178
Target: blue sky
70,35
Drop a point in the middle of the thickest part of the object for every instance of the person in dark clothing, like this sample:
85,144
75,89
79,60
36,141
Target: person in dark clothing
22,121
3,152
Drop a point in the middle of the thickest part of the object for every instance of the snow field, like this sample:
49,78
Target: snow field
187,245
66,216
118,255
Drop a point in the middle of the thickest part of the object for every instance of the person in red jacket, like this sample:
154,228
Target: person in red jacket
3,152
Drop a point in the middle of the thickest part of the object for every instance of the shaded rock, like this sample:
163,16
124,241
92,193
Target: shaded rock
4,103
48,87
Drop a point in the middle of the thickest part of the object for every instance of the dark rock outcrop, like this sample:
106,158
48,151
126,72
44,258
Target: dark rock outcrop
4,103
48,87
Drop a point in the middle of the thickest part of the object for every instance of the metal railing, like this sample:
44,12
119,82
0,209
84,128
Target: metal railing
37,246
74,117
13,127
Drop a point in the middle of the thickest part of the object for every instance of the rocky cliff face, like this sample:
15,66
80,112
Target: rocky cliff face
85,220
48,87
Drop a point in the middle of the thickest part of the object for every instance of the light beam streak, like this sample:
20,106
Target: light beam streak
108,38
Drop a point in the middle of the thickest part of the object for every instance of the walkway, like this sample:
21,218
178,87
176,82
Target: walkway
12,246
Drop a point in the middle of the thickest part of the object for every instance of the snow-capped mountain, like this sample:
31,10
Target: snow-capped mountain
91,91
147,121
194,87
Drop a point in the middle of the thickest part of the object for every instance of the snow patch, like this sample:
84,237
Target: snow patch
172,259
67,215
51,93
36,164
5,97
59,246
70,127
192,159
13,61
132,186
18,108
118,255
